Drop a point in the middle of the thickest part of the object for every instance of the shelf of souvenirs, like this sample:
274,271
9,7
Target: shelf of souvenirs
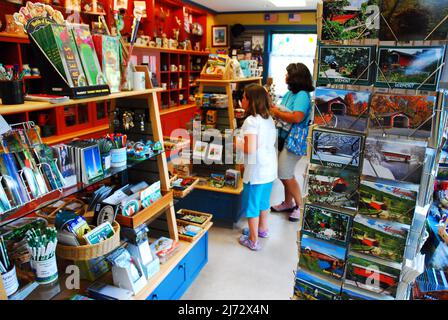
250,79
58,291
59,194
38,105
168,50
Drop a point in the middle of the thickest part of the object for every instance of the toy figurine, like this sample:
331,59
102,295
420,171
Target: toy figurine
165,42
176,34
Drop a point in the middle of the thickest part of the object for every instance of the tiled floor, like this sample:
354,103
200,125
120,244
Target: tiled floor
235,272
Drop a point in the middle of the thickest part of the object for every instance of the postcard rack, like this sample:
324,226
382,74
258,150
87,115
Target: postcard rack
375,234
23,180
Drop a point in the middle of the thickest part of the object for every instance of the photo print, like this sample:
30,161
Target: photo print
372,274
333,187
342,109
413,20
327,224
311,287
398,160
321,257
349,20
345,64
402,115
336,149
379,238
409,67
387,201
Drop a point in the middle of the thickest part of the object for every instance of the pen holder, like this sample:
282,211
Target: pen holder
10,281
118,157
46,271
106,161
12,92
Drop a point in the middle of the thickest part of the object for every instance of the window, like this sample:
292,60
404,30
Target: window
290,48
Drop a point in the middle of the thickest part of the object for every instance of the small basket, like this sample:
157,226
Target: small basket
51,216
183,193
87,252
195,213
187,238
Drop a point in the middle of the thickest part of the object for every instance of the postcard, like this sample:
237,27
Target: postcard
327,224
402,115
379,238
333,187
311,287
345,64
409,67
411,20
5,205
387,201
353,293
200,150
92,167
372,274
215,152
336,149
349,20
342,109
398,160
322,257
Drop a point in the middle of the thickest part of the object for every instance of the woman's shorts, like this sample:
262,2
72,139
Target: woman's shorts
256,198
287,162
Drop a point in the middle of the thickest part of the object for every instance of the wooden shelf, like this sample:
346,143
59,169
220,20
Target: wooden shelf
76,134
166,50
152,283
224,189
32,77
37,105
178,108
229,81
168,266
13,37
147,213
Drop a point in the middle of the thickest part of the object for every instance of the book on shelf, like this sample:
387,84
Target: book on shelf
60,47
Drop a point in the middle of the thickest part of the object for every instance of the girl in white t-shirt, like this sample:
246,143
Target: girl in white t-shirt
260,165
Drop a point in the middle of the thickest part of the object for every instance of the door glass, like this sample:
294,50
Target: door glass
290,48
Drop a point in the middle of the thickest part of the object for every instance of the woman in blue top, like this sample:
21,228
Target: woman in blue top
298,103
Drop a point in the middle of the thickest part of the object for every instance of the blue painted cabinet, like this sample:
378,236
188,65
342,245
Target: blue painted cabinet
183,275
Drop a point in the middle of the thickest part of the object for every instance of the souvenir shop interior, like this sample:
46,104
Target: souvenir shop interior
119,169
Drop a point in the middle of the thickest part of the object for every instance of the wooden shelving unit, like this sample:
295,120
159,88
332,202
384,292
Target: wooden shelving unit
165,205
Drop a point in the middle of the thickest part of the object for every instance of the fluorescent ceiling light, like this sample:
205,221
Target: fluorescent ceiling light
288,3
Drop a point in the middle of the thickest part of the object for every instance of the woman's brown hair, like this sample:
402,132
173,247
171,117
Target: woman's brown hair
259,100
299,78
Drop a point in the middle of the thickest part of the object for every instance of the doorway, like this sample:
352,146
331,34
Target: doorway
289,48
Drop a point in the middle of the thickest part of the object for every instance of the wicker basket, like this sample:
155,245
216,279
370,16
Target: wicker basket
87,252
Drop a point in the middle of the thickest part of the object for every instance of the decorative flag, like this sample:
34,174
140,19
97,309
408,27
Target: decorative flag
295,17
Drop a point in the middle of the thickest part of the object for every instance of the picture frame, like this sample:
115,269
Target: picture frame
333,187
417,67
258,43
220,36
346,64
402,115
327,224
342,109
120,4
348,22
397,160
337,149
